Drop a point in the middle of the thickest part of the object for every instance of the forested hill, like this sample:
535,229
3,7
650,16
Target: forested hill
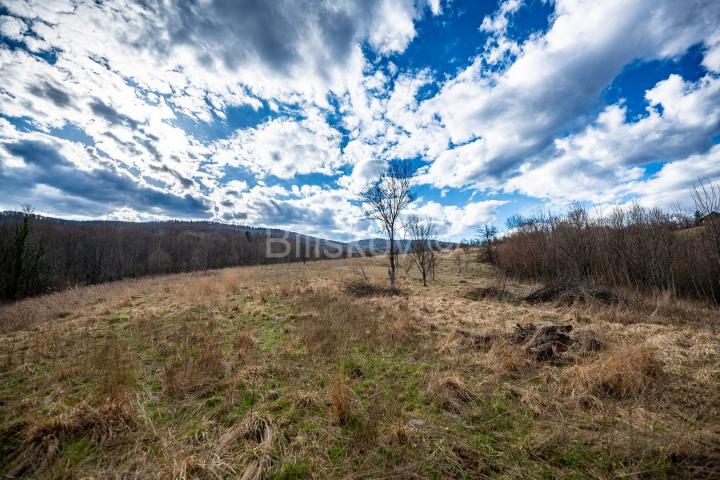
40,254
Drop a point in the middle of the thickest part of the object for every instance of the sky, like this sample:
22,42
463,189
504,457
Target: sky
279,112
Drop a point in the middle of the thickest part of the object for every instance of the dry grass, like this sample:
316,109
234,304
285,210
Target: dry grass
280,372
197,359
625,372
449,391
340,403
506,358
44,438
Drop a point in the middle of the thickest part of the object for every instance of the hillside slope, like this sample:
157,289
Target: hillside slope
55,253
382,245
277,372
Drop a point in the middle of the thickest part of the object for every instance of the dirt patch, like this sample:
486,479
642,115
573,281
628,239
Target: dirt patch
550,342
544,342
569,295
476,341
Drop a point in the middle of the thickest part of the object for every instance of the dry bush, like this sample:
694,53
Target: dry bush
340,402
207,286
307,399
449,391
230,281
627,371
400,435
362,288
261,431
636,248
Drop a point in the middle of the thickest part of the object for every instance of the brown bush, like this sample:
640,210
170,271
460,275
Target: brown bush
636,248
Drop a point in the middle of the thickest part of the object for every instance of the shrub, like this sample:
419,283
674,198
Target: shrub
643,249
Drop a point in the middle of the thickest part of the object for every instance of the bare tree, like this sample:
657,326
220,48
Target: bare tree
706,197
488,239
384,200
421,233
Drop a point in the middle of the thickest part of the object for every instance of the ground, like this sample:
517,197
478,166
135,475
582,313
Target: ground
280,372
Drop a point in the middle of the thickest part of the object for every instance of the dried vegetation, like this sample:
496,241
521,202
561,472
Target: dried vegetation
285,372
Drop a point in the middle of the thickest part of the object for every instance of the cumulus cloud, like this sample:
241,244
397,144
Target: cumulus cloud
498,119
123,76
12,27
283,148
498,47
671,185
137,98
594,164
44,172
310,210
459,221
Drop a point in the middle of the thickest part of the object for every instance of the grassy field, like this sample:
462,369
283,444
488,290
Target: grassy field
279,372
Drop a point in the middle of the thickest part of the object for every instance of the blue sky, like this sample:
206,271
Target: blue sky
277,113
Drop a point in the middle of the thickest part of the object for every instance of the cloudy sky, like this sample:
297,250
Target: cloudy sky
277,112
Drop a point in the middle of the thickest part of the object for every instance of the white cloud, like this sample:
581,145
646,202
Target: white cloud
283,148
12,27
555,80
498,22
393,27
521,117
456,222
595,163
711,60
498,47
672,184
274,48
435,7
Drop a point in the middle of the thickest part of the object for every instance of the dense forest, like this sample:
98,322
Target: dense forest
40,254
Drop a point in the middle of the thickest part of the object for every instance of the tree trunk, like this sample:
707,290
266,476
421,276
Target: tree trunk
391,272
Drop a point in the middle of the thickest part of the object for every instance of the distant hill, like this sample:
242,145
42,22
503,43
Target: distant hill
57,253
382,245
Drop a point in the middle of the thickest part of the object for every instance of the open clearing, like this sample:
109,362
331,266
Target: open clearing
278,372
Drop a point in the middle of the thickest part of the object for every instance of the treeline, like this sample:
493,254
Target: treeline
40,254
635,247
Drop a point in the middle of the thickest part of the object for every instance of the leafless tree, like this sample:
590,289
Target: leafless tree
384,200
421,234
706,197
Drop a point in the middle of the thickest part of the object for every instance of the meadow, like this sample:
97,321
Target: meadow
283,371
